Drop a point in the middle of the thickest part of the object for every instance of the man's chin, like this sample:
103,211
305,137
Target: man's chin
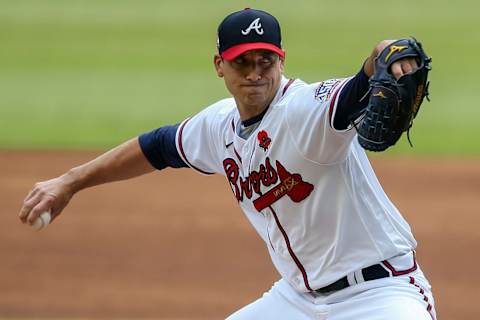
256,94
256,99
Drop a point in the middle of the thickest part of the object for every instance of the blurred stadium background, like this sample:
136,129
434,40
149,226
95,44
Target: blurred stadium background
90,74
87,75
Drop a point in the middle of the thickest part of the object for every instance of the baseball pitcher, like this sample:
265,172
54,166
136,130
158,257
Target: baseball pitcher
293,154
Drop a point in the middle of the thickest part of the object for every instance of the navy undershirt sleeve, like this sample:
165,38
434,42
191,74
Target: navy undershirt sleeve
159,147
349,106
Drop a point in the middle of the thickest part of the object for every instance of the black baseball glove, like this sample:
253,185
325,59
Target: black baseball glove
393,104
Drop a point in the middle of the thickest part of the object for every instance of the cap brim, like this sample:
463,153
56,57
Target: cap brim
235,51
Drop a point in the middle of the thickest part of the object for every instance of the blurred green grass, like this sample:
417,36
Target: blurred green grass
90,74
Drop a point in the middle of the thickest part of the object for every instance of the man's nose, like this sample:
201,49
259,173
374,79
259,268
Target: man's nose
254,72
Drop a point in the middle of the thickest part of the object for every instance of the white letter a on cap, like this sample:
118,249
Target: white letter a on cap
256,25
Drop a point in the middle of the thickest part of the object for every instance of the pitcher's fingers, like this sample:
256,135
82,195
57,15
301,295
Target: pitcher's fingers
397,70
55,212
33,192
24,211
413,63
406,67
409,65
30,194
27,207
41,207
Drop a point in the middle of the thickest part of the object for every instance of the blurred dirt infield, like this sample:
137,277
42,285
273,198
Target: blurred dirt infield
174,244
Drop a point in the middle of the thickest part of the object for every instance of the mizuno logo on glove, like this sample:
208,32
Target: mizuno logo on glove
380,94
394,49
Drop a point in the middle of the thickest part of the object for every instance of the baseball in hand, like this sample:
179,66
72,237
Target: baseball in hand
42,221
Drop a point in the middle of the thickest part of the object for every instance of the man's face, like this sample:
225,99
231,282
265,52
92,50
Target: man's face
252,78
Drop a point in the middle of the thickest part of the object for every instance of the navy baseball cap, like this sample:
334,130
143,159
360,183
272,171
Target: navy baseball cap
246,30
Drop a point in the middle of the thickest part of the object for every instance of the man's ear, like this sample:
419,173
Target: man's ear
218,64
282,64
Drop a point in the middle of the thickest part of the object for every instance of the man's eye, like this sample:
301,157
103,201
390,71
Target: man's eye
266,61
239,61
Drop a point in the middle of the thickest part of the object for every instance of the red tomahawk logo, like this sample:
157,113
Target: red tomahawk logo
291,185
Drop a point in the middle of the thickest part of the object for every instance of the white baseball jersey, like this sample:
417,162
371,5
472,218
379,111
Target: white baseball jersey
308,189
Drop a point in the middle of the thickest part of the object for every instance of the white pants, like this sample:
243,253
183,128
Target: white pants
406,297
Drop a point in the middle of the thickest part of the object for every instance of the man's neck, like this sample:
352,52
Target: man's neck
250,111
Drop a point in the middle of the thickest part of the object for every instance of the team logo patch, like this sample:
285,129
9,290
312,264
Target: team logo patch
255,25
325,89
263,140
